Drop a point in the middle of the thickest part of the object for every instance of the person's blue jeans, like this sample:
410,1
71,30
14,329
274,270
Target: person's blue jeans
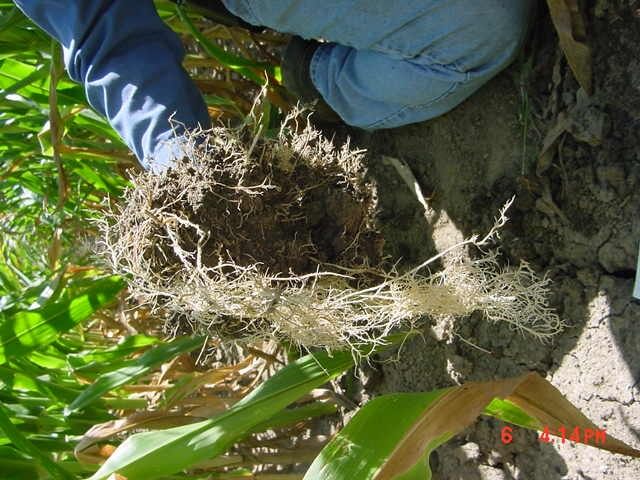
387,63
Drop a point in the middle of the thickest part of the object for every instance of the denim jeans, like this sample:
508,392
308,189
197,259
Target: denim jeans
387,64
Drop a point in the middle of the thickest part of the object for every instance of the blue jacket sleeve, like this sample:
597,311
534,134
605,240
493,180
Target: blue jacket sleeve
130,64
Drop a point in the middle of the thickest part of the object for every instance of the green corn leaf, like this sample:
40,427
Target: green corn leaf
96,179
134,370
102,358
11,19
14,71
25,380
150,455
49,358
16,466
233,62
369,439
39,74
290,416
24,331
88,120
25,446
19,381
509,412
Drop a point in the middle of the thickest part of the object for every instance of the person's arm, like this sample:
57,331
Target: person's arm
130,64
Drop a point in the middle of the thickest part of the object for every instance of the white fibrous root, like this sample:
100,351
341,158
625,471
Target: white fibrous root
334,307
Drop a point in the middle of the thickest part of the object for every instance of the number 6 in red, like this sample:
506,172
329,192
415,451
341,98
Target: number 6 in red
506,435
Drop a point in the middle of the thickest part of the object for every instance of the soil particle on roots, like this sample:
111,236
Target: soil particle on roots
285,215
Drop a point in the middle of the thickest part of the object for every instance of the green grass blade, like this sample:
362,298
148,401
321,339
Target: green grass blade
25,446
14,467
40,73
11,19
24,331
99,358
134,370
233,62
146,456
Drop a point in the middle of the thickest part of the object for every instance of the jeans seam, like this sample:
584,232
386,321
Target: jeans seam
430,59
405,108
250,11
313,66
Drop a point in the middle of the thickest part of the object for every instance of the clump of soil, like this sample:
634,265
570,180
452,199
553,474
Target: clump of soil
287,209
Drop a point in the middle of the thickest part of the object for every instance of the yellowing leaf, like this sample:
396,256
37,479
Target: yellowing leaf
569,23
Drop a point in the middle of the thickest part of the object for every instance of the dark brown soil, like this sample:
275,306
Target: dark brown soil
308,213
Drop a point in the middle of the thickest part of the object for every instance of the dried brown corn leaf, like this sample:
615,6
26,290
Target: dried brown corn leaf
569,22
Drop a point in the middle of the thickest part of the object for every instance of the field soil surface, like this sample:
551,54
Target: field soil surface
576,218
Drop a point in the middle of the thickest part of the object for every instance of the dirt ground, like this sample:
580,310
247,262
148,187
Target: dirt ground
577,220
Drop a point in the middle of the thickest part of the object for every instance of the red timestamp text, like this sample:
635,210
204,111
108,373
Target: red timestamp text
588,436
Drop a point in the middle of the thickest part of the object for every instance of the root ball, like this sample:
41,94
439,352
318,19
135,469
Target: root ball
249,238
